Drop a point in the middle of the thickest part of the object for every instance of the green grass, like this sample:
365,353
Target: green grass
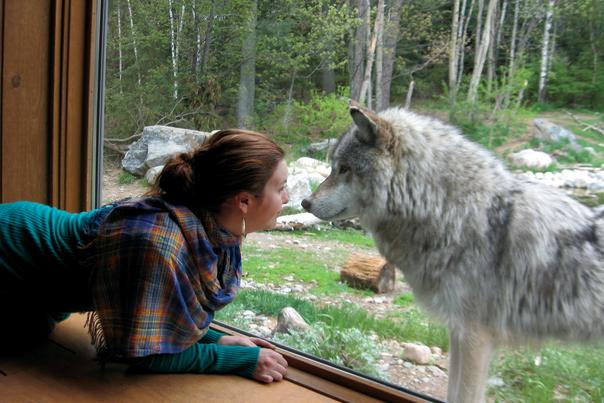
561,373
126,178
404,300
352,236
407,326
273,265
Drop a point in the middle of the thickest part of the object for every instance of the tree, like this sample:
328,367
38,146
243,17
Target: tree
365,94
545,50
391,37
247,83
482,52
453,55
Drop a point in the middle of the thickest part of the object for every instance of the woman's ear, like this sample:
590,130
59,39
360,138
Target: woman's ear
243,201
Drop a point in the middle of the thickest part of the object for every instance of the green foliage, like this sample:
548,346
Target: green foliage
408,326
348,347
272,266
405,299
555,373
126,178
322,117
350,236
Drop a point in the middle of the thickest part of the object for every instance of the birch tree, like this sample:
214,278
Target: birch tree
545,50
133,33
247,72
357,62
464,19
176,24
119,44
485,42
365,94
453,55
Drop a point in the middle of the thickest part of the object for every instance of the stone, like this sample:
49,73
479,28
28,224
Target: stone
290,320
417,354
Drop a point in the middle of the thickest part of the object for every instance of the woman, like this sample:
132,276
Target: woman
153,270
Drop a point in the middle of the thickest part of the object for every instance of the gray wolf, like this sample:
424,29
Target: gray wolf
498,258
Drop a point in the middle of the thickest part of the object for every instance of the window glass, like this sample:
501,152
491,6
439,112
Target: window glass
287,69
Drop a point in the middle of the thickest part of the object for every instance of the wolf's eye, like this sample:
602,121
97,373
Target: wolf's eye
343,169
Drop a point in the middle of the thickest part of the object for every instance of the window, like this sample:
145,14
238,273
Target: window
179,64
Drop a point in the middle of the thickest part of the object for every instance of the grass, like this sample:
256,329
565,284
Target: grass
350,236
273,265
554,373
126,178
407,326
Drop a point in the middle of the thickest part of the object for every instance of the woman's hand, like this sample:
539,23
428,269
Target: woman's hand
244,341
271,365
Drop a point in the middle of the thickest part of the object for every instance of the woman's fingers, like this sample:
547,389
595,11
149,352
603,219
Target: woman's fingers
262,343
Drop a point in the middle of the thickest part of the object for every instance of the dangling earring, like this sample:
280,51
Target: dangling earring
243,227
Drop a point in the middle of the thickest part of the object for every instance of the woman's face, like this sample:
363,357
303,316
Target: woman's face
263,214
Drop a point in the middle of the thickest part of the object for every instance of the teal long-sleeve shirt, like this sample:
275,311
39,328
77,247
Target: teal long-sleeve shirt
205,356
38,252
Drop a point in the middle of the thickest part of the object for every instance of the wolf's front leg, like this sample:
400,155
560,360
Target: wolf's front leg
471,349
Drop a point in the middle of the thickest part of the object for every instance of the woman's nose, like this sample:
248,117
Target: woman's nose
285,197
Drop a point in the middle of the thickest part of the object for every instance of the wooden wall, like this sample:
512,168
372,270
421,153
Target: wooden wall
47,59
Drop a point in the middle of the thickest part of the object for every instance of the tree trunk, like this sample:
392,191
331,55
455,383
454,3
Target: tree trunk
290,99
391,36
484,46
478,34
208,39
138,72
365,94
512,61
328,80
119,43
197,33
247,81
409,94
357,68
176,23
462,42
379,63
453,55
592,40
495,38
545,50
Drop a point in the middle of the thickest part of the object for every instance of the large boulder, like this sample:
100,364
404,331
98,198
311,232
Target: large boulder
157,145
531,158
549,131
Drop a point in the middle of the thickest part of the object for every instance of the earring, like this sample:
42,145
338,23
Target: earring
243,227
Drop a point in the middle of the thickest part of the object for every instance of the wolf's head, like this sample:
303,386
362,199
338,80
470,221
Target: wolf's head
362,164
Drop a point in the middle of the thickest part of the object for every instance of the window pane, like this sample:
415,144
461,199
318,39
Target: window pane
287,69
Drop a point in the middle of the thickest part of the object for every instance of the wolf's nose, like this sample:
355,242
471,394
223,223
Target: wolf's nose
305,204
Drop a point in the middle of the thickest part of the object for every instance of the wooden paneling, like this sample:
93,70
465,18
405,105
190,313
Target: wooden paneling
25,100
48,56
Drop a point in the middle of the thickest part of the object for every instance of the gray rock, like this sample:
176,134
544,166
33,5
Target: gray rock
158,144
549,131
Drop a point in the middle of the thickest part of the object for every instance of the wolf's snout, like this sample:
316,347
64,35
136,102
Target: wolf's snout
305,204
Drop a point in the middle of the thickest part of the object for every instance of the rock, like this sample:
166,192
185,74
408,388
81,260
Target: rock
157,145
436,350
549,131
296,221
289,319
322,146
298,188
531,158
417,354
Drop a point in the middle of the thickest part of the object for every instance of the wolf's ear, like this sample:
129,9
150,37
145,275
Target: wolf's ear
366,122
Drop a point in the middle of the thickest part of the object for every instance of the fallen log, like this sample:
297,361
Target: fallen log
368,272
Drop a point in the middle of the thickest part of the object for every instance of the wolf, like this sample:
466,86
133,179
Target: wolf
498,258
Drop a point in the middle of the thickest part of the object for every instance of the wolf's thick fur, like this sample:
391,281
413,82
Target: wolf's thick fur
500,259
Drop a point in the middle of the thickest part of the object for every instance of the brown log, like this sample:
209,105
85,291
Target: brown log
364,271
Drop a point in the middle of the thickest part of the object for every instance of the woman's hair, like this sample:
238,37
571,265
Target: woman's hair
228,162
